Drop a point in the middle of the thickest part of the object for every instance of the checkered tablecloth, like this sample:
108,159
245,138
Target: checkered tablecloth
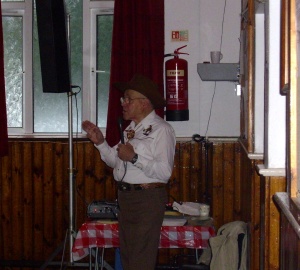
97,234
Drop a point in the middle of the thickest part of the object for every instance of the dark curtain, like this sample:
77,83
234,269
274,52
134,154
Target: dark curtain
3,117
137,47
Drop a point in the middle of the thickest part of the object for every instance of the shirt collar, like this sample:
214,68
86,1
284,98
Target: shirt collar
146,122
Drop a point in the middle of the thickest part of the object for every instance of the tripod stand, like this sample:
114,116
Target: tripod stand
72,183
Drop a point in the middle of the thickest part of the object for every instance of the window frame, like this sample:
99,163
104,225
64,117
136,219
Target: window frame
24,9
90,10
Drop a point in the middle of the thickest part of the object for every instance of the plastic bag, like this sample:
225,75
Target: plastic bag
192,208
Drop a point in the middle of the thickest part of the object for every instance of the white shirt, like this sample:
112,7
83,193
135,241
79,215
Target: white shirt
154,141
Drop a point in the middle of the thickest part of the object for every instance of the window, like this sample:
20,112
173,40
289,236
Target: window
29,109
101,25
13,59
17,25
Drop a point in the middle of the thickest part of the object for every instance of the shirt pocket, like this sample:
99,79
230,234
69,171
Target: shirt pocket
144,147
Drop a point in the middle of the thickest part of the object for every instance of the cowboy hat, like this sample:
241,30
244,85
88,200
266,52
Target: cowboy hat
144,86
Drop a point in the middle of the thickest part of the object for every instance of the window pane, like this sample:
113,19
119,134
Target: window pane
13,63
51,109
104,40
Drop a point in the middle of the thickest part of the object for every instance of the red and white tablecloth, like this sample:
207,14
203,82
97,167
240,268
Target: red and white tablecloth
94,234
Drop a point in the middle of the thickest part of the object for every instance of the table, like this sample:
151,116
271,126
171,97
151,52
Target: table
105,234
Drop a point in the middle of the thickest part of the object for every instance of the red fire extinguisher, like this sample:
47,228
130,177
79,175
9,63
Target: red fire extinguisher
176,80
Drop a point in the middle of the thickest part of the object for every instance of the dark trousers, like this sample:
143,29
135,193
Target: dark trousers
140,219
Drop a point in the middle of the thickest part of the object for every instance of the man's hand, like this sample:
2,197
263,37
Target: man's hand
93,132
125,152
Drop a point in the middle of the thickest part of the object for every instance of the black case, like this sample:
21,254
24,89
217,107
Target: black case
103,210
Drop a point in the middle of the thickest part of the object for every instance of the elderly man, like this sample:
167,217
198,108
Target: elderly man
142,166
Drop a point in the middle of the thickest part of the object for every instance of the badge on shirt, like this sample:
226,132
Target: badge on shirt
147,131
130,134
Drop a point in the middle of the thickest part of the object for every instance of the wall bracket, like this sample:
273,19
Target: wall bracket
219,72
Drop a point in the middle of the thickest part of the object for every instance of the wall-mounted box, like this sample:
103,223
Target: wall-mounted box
219,72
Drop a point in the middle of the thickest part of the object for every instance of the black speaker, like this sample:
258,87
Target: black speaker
53,44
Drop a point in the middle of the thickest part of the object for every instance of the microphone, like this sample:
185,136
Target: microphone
120,124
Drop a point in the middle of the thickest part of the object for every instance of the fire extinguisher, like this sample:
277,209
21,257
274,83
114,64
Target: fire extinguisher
176,80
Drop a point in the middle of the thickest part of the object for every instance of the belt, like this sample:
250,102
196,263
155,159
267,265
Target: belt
123,186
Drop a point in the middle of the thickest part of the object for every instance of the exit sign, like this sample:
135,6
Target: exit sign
180,35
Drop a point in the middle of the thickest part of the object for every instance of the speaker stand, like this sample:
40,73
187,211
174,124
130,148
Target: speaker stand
71,233
72,178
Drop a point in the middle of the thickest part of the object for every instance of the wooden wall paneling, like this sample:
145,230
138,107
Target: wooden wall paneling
289,230
291,247
109,186
89,190
263,223
250,197
195,181
165,255
285,245
246,187
65,189
290,244
284,48
266,221
6,206
192,180
218,201
100,181
28,200
16,202
184,178
80,201
111,189
255,217
202,174
174,182
38,208
277,184
237,182
248,192
48,197
43,189
209,169
295,210
270,219
228,164
185,170
62,204
60,176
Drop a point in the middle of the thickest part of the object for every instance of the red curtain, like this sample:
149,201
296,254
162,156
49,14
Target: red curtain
137,47
3,117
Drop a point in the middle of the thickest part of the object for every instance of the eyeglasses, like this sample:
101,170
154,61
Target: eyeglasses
128,100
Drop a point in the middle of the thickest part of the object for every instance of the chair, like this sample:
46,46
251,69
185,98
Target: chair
228,249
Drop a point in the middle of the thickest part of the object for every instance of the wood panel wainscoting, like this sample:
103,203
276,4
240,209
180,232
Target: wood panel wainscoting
34,194
290,230
270,222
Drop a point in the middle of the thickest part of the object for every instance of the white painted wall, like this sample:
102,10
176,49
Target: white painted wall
203,20
275,109
259,82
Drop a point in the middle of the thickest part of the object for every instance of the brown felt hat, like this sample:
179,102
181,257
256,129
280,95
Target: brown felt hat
144,86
